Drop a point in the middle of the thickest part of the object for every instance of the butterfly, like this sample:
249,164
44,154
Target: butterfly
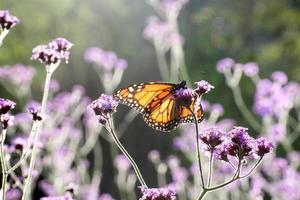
156,102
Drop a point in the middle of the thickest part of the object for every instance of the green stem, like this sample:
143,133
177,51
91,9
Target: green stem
162,63
3,164
124,151
202,194
3,35
243,108
198,148
37,133
210,168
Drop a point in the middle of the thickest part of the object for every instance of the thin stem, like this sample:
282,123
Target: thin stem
3,35
202,194
210,168
243,108
3,164
25,154
198,148
124,151
37,133
253,168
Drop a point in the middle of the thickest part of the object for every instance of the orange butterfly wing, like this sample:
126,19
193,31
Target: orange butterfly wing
156,102
139,96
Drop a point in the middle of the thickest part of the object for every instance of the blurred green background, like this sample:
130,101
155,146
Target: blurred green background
263,31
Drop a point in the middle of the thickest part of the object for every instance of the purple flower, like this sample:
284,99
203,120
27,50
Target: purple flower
279,77
263,146
19,143
225,64
217,108
154,156
35,112
7,21
243,144
6,105
221,152
203,87
276,132
250,69
184,96
105,104
18,74
212,137
105,197
45,55
157,194
6,121
108,60
55,51
122,163
66,197
13,194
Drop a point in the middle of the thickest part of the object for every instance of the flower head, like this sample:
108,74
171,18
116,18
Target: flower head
250,69
104,104
35,112
225,64
62,46
52,53
45,55
212,137
6,121
203,87
263,146
13,194
122,163
184,96
105,197
157,194
6,105
7,21
65,197
243,144
279,77
19,143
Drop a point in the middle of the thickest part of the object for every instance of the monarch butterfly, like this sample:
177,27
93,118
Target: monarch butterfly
156,102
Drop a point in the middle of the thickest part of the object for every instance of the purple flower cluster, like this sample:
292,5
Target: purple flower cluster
6,105
106,59
212,137
161,33
203,87
104,106
238,143
7,21
55,51
276,95
184,96
18,74
157,194
228,64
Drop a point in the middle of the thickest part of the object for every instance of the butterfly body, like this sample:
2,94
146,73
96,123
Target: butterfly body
156,102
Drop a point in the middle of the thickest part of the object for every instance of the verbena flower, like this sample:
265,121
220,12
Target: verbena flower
19,143
122,163
242,144
6,121
7,21
18,74
45,55
13,194
184,96
6,105
35,112
250,69
104,106
52,53
106,197
263,146
157,194
225,64
66,197
279,77
63,46
106,60
212,137
203,87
